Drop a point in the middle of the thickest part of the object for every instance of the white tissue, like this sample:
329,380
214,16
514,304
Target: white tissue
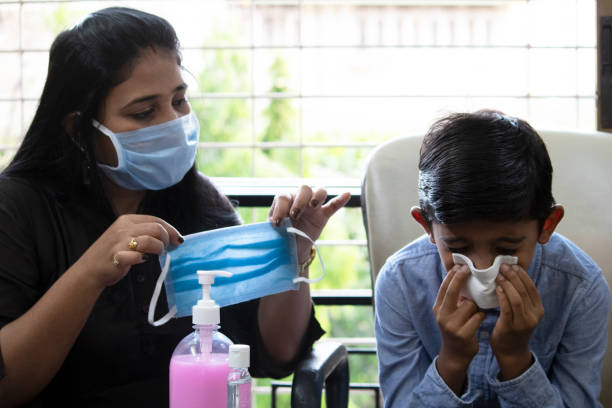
480,287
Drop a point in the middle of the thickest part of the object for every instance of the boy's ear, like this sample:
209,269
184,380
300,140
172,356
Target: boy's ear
420,218
550,224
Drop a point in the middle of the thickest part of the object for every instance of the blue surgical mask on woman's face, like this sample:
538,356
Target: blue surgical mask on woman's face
154,157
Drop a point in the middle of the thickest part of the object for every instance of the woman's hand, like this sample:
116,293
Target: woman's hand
520,312
125,243
283,318
458,319
307,213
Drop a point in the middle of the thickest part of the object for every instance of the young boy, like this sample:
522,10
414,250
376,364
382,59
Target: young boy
485,190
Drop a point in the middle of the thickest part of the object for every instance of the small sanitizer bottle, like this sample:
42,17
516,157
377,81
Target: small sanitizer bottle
239,379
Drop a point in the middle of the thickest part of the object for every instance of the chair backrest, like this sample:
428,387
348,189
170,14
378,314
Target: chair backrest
388,190
582,183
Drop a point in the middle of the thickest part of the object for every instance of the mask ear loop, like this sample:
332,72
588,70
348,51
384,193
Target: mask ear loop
155,298
301,278
111,135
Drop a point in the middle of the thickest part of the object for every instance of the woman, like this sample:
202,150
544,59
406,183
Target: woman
82,213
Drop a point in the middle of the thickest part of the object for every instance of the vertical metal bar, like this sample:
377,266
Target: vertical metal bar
252,99
604,65
21,71
605,72
528,71
300,100
576,66
274,395
252,86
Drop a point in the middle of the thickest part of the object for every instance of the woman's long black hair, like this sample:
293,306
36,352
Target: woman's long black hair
85,63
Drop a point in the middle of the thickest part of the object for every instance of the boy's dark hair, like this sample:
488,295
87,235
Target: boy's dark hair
486,166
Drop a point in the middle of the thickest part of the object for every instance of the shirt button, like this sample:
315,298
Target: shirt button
140,278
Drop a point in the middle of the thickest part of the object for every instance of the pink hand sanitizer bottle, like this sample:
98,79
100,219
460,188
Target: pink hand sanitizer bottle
200,362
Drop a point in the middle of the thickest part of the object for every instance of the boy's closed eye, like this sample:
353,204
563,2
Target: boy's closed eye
506,251
498,251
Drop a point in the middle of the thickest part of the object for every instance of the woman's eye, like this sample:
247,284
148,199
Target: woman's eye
179,102
506,251
142,115
458,250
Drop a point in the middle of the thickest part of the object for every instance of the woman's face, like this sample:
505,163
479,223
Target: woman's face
154,93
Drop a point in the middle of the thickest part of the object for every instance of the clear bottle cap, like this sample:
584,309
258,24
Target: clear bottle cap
239,355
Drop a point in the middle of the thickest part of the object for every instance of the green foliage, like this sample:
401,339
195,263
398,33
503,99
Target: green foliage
61,19
5,157
334,162
223,120
217,162
281,120
280,112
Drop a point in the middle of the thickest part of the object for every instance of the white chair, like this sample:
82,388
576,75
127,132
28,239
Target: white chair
582,183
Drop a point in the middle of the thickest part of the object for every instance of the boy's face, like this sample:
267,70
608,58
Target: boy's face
482,241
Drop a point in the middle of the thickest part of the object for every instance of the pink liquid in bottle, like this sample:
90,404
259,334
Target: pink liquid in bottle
198,381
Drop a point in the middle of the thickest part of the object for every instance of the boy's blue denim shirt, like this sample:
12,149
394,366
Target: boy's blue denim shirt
568,344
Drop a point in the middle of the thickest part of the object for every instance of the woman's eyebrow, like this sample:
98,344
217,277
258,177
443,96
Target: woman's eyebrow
146,98
139,100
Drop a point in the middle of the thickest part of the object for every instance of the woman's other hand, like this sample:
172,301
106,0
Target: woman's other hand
125,243
307,213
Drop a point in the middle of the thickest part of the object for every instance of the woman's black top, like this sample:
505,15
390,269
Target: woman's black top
118,359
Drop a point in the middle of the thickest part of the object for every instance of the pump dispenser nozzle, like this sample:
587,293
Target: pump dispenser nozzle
206,311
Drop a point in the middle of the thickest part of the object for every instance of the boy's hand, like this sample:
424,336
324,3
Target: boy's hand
520,312
458,320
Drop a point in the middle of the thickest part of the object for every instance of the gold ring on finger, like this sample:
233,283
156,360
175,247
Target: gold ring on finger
115,260
133,244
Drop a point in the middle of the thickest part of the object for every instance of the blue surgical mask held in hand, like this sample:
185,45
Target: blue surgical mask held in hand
480,287
262,259
154,157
